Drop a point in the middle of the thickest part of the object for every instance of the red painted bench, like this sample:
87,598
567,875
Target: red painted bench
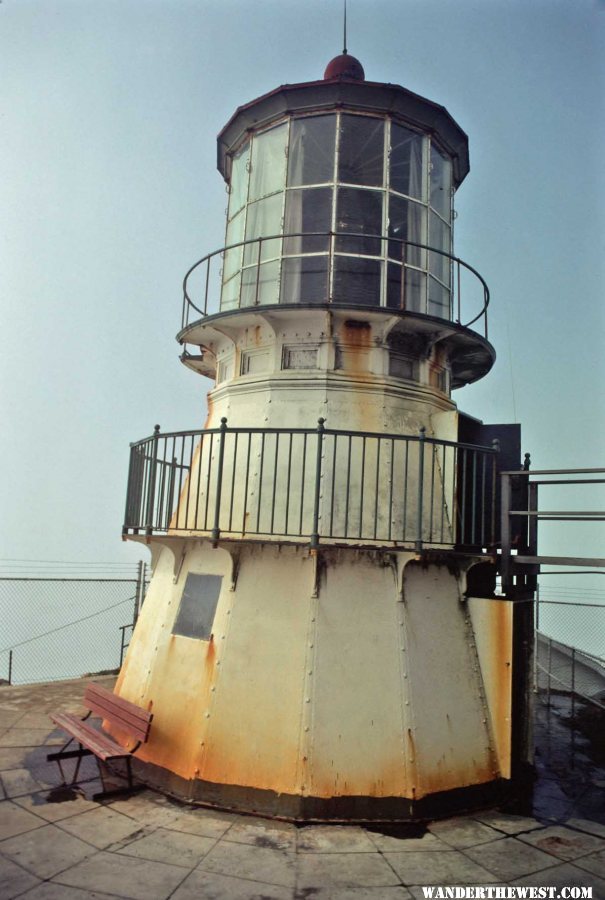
130,719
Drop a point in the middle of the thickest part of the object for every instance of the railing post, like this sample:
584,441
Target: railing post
318,467
496,448
219,481
505,559
421,445
152,475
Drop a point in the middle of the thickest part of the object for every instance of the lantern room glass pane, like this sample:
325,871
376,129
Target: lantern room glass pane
440,238
441,184
238,185
438,300
311,151
264,219
407,222
357,281
308,211
235,233
406,167
230,292
268,163
304,280
260,284
359,212
361,150
412,295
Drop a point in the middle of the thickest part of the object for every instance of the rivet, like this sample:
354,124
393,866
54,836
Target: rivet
311,646
213,689
207,715
307,699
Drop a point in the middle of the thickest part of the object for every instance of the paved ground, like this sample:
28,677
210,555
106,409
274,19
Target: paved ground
59,845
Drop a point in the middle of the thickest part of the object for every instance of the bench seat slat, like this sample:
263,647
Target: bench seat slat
97,741
125,715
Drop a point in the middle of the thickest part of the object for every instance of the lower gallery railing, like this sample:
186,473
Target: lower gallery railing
313,485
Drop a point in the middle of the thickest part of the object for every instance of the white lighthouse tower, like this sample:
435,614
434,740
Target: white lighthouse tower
321,639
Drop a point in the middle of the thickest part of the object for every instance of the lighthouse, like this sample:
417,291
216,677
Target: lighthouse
322,638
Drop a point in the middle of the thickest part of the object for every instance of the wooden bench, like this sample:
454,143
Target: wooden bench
130,719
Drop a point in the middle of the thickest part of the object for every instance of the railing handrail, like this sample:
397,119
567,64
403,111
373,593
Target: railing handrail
330,252
313,430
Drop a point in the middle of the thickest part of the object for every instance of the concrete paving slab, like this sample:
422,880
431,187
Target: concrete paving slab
398,844
354,893
18,782
124,876
566,875
46,851
15,820
24,737
587,826
147,808
13,757
564,843
507,823
101,827
210,886
464,832
48,890
594,863
203,822
510,858
14,880
57,804
328,870
177,848
9,717
334,839
255,863
263,833
438,867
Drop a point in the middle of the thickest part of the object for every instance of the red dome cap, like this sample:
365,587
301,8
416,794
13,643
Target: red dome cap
344,66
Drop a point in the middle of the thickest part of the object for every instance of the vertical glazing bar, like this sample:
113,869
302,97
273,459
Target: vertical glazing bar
245,512
219,480
260,244
274,480
317,492
376,484
287,516
346,534
334,451
208,477
419,511
233,468
331,267
302,483
402,297
260,479
361,484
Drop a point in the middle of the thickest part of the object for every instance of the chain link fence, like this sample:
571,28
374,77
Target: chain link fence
59,625
570,650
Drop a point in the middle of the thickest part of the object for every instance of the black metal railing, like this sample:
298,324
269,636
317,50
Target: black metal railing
467,291
313,485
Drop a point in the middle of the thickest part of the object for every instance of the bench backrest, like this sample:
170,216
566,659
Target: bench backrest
125,715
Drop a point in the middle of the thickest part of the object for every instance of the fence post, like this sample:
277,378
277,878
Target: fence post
138,593
549,671
152,476
219,481
421,439
315,532
573,684
10,666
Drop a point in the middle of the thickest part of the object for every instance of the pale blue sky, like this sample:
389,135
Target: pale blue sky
109,191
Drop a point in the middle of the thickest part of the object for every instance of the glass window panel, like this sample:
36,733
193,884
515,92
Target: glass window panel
238,187
268,165
407,222
235,234
308,210
260,284
438,300
439,237
441,183
305,280
412,297
311,152
230,292
359,212
264,218
406,165
357,281
361,150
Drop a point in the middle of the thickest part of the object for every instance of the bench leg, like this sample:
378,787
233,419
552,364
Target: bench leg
129,788
69,754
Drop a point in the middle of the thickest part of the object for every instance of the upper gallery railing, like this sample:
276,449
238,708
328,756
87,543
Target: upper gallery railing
401,275
313,485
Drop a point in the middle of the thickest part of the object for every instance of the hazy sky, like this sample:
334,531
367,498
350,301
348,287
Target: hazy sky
109,192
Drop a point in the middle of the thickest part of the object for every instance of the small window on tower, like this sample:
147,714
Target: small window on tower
198,606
